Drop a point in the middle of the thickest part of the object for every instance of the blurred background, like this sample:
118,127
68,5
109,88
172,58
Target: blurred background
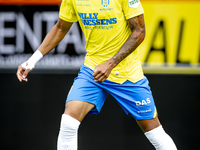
30,112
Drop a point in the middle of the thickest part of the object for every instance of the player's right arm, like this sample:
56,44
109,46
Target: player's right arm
55,35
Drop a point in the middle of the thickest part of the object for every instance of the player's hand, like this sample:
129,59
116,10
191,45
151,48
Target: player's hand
102,71
22,73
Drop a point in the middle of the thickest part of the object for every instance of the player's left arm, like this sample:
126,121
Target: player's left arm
137,26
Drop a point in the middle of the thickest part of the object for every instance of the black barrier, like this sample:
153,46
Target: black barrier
30,114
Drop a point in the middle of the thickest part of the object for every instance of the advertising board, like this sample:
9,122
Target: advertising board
172,34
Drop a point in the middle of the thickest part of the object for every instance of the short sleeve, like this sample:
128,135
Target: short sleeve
132,8
67,12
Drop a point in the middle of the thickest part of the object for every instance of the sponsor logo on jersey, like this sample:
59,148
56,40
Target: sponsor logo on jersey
133,3
105,3
91,19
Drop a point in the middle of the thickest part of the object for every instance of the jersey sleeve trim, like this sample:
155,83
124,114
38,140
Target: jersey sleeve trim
66,19
134,14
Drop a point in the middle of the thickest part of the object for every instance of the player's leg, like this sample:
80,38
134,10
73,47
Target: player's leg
136,99
156,134
74,113
85,96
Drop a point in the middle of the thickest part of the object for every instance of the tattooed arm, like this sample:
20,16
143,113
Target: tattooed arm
137,26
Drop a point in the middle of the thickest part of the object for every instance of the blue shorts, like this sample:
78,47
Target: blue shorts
134,98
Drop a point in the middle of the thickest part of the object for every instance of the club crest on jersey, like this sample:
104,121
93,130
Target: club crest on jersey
133,3
105,3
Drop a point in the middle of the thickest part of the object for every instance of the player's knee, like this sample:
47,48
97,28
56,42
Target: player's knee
69,126
72,110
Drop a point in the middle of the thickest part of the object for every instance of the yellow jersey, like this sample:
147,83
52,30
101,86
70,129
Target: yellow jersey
104,24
